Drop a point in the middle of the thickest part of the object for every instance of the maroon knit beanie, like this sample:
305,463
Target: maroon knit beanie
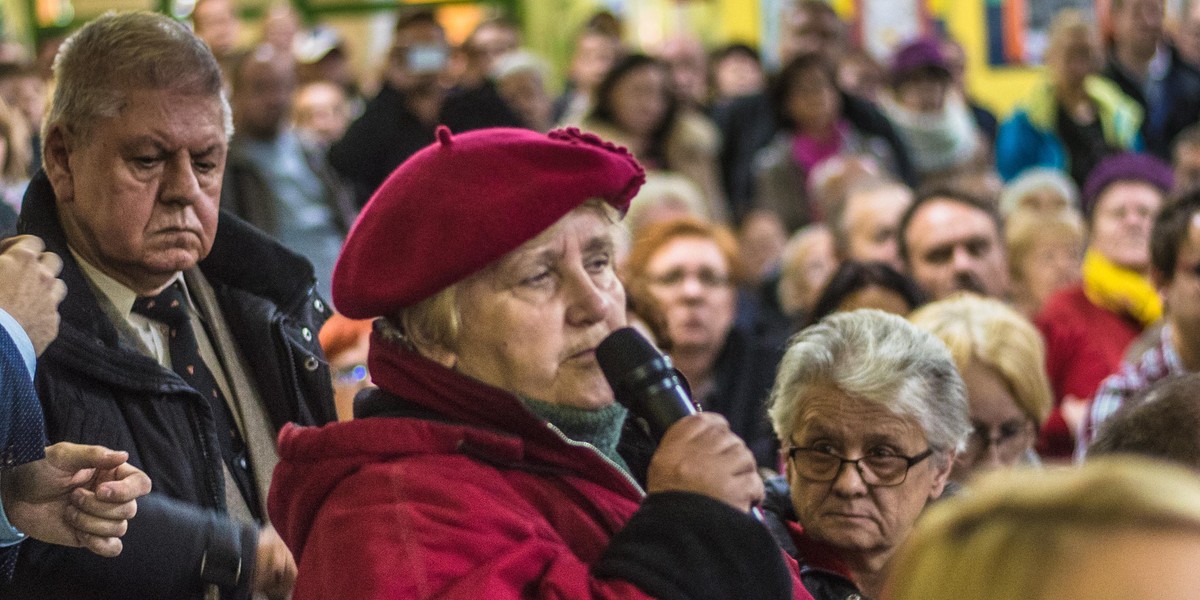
1125,166
465,201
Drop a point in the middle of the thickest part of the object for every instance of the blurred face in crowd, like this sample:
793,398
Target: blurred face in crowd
807,267
1073,59
1187,165
262,96
811,31
813,102
595,54
525,93
532,320
924,92
857,518
418,58
1052,263
639,100
871,219
688,63
689,277
1121,223
215,22
1137,25
760,240
955,247
1003,432
26,93
491,41
737,74
139,198
1181,293
321,109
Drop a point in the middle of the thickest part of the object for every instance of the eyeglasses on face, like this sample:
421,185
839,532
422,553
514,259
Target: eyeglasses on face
676,277
878,470
1008,438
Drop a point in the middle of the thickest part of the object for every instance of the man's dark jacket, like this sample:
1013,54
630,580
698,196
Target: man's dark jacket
246,193
1181,90
95,389
388,133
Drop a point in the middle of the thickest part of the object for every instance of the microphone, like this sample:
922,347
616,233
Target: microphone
644,380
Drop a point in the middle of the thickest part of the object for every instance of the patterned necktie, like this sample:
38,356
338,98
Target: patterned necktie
22,431
170,308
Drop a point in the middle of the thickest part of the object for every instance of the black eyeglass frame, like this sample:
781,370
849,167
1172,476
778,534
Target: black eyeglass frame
910,461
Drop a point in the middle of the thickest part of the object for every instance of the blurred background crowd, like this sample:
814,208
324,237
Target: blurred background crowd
1050,237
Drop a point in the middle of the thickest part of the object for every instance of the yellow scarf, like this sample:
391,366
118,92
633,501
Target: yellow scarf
1120,290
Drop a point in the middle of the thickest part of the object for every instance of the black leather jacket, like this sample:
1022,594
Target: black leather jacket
95,389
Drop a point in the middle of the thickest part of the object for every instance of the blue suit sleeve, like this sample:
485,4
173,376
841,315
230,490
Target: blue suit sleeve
12,377
17,335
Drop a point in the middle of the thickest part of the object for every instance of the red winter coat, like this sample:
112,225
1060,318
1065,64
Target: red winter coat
452,489
1084,344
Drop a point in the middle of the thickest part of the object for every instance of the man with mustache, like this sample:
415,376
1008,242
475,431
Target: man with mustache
187,338
951,242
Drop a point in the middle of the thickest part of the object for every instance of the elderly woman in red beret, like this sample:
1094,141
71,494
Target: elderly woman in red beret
492,461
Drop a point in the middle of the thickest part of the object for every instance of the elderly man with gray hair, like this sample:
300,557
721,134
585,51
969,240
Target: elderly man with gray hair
869,390
163,315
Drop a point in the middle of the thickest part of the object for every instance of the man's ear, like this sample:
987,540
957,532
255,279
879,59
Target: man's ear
56,157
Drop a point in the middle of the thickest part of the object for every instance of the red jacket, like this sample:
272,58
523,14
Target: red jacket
1084,344
454,490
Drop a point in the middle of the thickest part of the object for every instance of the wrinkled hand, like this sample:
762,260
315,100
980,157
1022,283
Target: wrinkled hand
79,496
275,571
700,454
30,290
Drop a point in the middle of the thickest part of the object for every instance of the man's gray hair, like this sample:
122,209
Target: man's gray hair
880,358
99,65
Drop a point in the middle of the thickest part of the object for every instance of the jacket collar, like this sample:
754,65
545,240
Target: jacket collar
461,399
285,280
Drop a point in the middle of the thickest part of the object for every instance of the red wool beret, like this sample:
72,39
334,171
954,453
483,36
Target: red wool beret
465,201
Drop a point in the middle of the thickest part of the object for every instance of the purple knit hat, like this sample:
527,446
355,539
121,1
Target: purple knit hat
920,53
1126,166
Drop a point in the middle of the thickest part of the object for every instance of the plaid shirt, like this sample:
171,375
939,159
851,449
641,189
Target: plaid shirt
1155,364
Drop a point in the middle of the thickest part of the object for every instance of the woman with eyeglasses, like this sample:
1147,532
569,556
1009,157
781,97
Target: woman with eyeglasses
871,413
688,269
1002,359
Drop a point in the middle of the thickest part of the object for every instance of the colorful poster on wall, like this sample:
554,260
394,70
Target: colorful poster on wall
1018,30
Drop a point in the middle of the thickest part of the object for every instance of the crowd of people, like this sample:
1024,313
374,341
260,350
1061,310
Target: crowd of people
272,331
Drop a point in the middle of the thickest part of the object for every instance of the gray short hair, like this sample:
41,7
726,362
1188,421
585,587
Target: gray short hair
99,65
880,358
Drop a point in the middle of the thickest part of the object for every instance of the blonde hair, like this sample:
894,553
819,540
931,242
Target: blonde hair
1025,227
988,331
1018,529
1068,24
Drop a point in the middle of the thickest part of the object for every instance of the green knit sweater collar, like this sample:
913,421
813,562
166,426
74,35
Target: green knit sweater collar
600,428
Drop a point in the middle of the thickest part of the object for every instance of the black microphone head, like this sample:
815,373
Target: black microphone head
623,351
